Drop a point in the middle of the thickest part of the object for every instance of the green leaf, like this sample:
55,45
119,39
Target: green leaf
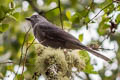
4,27
16,15
5,9
10,67
103,28
48,2
83,13
12,17
73,2
89,69
118,18
84,55
81,37
1,49
10,1
9,19
68,14
19,77
109,9
87,19
67,24
2,14
75,18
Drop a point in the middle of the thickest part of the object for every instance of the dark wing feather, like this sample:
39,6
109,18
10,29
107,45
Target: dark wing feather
53,32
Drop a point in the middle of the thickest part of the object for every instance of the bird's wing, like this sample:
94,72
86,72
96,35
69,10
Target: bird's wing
53,32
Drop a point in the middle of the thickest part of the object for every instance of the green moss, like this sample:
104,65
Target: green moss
54,64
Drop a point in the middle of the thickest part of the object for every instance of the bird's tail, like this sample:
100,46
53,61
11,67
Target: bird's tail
94,52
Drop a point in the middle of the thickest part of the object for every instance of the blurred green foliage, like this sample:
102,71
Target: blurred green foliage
75,16
89,68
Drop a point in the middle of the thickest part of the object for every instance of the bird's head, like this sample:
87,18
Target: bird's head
35,19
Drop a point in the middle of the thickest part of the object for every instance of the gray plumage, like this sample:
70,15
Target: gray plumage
49,34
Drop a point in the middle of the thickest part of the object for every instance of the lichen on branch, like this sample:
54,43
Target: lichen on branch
57,64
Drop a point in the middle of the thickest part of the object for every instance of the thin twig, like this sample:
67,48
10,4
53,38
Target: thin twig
33,43
106,49
35,7
88,78
59,6
77,74
26,55
109,34
100,11
6,62
51,10
23,45
22,50
14,63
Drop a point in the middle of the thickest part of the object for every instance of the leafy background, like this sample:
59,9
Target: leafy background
94,22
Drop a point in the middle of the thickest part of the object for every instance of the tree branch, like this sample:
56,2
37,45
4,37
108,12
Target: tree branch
22,50
61,20
35,8
101,11
26,55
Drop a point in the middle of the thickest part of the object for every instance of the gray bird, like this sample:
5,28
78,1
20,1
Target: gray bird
49,34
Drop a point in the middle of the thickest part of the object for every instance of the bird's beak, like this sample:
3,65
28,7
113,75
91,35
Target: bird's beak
29,19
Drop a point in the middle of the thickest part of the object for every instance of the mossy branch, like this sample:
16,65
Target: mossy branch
55,64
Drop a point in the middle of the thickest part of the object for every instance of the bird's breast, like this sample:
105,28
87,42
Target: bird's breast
39,34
